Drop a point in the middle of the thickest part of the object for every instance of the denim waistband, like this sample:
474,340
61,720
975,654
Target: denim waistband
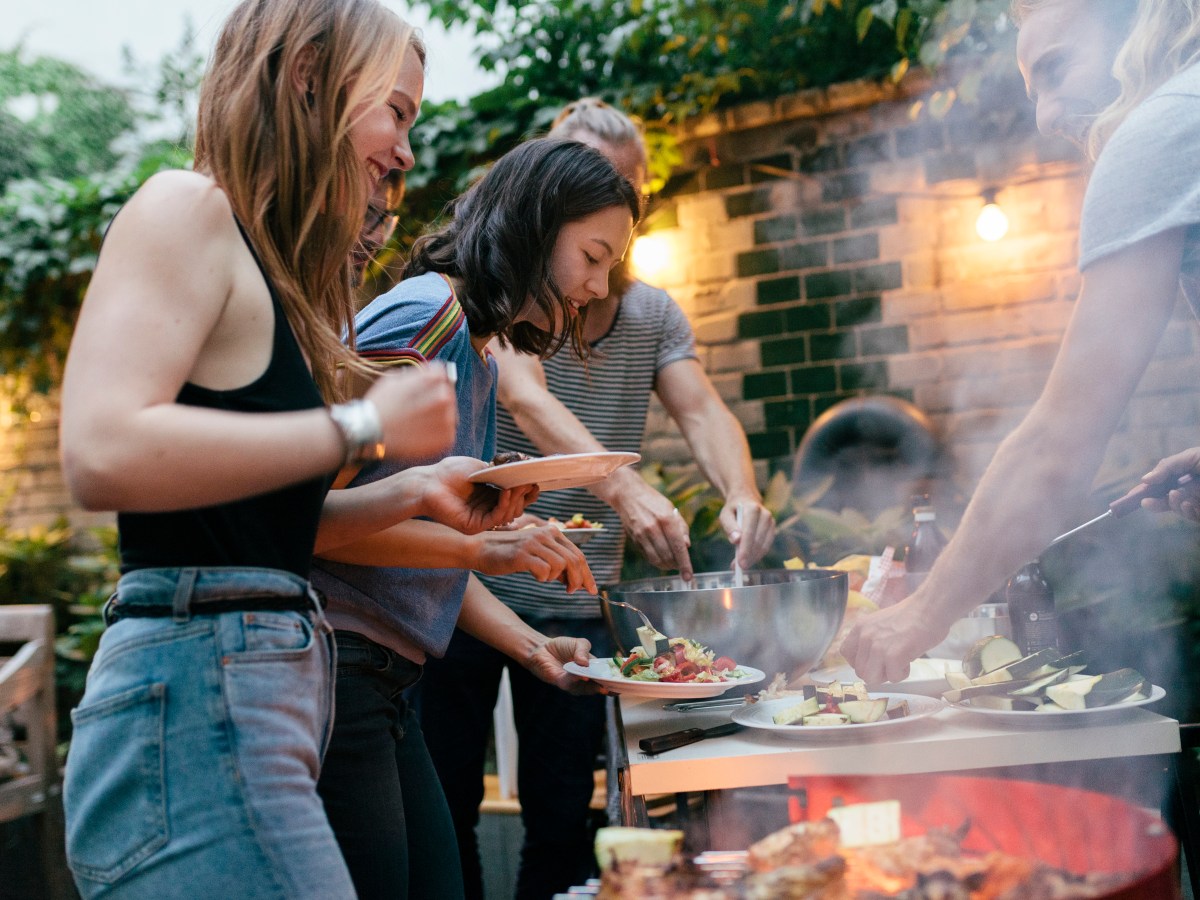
183,592
354,650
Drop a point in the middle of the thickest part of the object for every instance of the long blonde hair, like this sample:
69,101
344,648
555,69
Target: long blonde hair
285,157
1164,39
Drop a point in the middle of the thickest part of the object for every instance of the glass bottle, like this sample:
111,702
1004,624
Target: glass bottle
926,542
1031,609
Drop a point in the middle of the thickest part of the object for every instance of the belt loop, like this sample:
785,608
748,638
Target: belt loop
319,610
181,605
106,611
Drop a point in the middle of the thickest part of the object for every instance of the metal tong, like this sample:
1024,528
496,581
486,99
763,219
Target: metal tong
1116,509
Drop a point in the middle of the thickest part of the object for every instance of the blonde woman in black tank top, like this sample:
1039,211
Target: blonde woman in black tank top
196,405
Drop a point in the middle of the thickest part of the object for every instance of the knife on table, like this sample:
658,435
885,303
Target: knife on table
675,739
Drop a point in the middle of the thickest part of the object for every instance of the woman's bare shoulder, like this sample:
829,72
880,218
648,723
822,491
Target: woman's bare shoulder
178,205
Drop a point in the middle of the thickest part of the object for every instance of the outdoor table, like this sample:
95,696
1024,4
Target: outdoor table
952,740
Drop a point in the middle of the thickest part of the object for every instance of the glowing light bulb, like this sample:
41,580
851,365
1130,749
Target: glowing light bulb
992,223
651,255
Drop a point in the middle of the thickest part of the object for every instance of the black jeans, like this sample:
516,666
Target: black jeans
559,737
379,787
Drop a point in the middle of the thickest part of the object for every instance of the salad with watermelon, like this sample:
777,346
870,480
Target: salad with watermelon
684,661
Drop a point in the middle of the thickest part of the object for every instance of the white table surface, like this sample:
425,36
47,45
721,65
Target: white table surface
951,740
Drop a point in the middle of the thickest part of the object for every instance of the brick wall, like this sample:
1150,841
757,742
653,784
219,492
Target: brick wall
824,247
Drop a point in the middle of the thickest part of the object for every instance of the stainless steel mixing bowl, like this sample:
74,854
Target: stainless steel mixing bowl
779,620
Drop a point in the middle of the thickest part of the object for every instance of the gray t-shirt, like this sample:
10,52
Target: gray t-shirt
1147,180
610,395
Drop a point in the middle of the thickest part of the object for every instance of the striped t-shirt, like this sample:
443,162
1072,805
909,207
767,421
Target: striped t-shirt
611,396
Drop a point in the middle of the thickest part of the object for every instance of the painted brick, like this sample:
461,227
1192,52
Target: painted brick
758,385
814,380
863,376
723,177
914,368
836,345
950,167
809,317
768,444
739,357
884,341
824,285
821,159
788,413
681,183
779,290
824,404
768,323
874,212
872,149
811,255
719,329
883,277
847,186
783,352
748,204
664,216
919,139
823,221
859,311
779,228
860,248
757,262
728,387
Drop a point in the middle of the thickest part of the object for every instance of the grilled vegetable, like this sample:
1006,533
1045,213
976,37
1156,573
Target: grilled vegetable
793,714
989,654
1088,692
826,718
863,712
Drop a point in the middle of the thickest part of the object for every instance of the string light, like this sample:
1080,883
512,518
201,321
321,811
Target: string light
650,256
992,223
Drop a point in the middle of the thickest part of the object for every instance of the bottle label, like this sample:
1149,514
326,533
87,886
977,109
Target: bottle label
1040,631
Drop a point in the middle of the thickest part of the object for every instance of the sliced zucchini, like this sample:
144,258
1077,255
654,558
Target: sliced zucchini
978,690
988,654
862,712
1097,690
1007,703
797,711
1036,687
1024,668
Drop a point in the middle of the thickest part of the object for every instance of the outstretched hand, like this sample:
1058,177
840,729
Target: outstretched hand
543,551
656,526
753,538
881,644
1160,489
448,497
546,663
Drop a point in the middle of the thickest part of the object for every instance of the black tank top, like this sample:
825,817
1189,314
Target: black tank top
275,530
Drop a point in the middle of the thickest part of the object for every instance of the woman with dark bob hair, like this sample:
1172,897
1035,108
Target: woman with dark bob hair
525,250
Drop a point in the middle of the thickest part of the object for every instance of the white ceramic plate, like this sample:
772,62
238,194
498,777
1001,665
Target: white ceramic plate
1032,715
601,671
759,715
925,676
580,536
553,473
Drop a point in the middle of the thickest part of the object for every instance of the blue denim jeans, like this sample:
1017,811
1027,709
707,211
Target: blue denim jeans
559,736
193,767
379,786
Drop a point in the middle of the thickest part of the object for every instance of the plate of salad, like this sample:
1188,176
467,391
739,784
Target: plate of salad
685,670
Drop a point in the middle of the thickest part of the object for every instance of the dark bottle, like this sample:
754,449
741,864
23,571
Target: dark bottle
926,543
1031,610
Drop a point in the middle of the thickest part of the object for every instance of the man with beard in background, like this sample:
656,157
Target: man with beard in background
1119,77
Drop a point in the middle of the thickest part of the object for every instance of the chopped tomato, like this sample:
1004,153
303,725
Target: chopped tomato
723,664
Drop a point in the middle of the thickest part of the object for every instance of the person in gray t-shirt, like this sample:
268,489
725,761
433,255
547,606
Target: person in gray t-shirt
1121,78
